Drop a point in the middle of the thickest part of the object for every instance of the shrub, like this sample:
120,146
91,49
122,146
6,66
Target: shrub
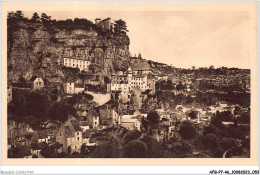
136,149
153,117
153,147
211,129
187,130
210,141
181,149
130,136
227,143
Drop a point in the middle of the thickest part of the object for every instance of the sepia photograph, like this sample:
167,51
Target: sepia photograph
144,83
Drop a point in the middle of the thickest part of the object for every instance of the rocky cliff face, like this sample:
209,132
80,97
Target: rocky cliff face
35,50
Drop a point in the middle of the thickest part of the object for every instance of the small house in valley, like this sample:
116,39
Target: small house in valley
36,83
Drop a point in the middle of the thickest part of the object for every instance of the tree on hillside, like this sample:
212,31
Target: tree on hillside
45,18
82,22
14,17
145,123
83,150
130,136
112,148
108,150
210,141
106,80
227,143
193,114
20,151
88,97
187,130
165,85
153,147
153,117
47,151
38,105
136,149
216,121
19,15
180,148
61,111
36,17
139,56
120,27
169,85
189,99
180,86
211,129
11,17
19,107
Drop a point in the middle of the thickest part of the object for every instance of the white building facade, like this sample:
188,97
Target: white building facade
80,63
69,88
125,83
72,88
38,84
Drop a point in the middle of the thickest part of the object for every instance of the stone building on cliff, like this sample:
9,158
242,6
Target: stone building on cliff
126,82
75,62
105,23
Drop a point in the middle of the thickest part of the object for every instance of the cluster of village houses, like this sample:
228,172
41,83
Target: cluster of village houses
72,134
69,136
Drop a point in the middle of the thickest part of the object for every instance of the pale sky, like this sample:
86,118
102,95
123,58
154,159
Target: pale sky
181,38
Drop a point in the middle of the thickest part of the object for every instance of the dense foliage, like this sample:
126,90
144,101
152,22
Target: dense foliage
187,130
